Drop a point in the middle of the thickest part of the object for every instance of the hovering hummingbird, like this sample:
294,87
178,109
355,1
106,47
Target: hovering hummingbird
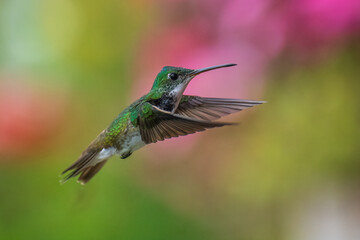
162,113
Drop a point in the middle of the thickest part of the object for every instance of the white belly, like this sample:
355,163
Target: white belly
131,143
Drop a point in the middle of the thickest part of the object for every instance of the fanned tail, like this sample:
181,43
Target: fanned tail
88,164
89,172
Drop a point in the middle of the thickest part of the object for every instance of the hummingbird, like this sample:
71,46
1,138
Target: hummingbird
161,114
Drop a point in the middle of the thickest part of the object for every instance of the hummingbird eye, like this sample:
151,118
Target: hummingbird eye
173,76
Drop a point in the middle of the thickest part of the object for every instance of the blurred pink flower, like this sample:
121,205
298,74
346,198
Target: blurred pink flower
29,117
242,15
314,23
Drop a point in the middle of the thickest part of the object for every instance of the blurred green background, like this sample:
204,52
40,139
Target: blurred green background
289,171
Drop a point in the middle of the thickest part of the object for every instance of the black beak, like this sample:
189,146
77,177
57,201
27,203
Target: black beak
201,70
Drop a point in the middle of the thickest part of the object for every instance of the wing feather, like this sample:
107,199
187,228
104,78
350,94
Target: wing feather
158,125
212,108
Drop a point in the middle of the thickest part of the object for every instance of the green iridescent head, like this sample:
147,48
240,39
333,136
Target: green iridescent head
170,77
177,78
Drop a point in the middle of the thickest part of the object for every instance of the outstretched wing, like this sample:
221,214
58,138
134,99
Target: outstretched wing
156,124
211,108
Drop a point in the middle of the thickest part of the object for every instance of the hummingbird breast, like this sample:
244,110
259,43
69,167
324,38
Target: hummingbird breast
129,141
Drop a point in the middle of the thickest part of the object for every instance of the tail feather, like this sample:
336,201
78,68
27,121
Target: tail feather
89,172
87,165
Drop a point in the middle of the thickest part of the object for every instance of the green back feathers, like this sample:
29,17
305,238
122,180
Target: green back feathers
118,125
143,110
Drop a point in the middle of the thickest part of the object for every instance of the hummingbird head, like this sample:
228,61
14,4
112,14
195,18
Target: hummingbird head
171,82
174,80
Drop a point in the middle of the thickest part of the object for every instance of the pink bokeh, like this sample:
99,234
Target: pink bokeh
319,23
29,117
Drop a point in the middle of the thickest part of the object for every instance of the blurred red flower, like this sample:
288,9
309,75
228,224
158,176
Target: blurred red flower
29,117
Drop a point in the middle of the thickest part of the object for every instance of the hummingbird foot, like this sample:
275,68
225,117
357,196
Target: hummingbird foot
125,155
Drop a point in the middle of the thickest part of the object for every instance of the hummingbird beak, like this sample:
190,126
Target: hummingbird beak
202,70
190,75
